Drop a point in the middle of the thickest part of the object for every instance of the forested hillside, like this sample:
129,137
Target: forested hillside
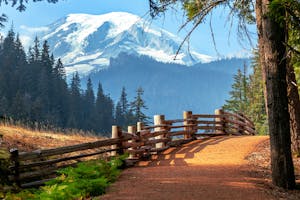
34,91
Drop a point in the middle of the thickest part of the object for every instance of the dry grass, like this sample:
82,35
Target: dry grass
27,140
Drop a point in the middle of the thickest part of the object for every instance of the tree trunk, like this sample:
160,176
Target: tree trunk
294,110
273,61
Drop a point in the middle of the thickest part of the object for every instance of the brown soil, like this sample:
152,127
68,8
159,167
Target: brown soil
214,168
259,161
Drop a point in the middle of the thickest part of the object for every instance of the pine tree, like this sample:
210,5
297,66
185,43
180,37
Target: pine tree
89,107
36,50
137,107
238,101
59,70
74,118
60,95
7,66
123,115
104,111
256,110
119,117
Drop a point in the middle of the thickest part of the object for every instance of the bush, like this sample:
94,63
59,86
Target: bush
4,166
86,180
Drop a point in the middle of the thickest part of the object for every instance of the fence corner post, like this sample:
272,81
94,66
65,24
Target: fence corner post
116,132
158,121
221,128
132,130
14,156
187,117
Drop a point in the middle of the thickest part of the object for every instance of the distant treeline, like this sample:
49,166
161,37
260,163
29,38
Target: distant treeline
34,91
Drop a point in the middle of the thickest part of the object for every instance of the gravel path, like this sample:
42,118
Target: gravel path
204,169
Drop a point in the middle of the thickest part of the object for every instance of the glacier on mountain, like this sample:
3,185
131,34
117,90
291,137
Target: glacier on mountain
86,43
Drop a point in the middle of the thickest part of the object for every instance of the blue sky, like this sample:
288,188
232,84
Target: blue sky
41,14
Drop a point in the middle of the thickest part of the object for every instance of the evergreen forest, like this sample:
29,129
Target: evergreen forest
34,92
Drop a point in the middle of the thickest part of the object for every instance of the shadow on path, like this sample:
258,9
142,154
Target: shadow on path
190,172
176,156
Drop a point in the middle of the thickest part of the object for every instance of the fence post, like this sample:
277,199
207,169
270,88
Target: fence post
159,120
132,129
222,126
187,115
116,132
140,126
14,156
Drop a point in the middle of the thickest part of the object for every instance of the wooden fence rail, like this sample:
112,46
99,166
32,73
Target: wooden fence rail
34,168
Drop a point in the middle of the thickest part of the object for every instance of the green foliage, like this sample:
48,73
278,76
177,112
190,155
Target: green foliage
247,96
137,107
238,101
192,8
86,180
285,11
256,109
34,91
123,114
4,166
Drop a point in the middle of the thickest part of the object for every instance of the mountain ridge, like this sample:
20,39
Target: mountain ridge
86,42
170,88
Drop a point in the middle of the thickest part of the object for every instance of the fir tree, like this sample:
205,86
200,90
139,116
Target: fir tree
104,111
36,50
60,95
238,101
247,96
59,70
256,109
137,107
123,115
74,119
89,107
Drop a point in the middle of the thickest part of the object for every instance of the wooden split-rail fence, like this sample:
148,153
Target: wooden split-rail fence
34,168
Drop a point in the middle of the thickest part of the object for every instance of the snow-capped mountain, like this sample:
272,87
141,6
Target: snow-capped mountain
87,42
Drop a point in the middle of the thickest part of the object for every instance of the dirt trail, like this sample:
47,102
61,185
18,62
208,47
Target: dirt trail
204,169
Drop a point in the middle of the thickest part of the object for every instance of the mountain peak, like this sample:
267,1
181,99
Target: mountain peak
121,20
86,42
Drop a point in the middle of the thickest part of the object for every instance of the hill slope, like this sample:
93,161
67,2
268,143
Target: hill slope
27,140
170,88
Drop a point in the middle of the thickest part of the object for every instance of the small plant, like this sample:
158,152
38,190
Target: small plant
4,164
86,180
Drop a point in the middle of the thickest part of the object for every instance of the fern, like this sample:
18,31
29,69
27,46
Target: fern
85,180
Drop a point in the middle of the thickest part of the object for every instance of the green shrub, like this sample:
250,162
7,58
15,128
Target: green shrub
85,180
4,166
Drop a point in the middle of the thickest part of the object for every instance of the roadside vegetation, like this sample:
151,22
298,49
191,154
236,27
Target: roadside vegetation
87,179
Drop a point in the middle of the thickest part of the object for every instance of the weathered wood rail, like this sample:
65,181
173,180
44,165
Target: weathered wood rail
34,168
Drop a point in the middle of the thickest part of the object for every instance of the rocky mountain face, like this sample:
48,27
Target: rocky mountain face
87,42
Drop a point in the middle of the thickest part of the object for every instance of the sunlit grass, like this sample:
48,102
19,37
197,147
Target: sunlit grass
29,139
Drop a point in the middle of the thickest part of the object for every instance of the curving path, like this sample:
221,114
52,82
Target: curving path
213,168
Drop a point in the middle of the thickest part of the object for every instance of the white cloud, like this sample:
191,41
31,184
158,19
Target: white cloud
34,29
